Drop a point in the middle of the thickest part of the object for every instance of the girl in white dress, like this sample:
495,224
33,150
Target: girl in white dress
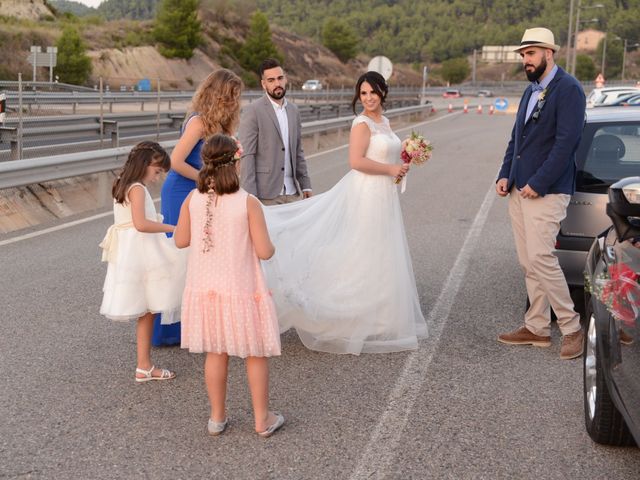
146,270
342,273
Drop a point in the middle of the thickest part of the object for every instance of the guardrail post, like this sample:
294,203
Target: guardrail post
158,112
10,135
17,154
176,121
101,114
104,189
110,127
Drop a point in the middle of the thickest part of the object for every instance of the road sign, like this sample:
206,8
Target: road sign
501,104
43,59
382,65
38,58
3,106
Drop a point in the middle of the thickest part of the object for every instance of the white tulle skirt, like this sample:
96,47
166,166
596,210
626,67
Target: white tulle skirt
342,274
146,274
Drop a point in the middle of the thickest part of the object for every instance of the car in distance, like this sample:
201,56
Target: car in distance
629,100
608,95
611,362
484,93
452,93
608,151
312,85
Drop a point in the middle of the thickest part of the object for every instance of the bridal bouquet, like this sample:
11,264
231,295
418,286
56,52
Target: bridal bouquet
415,149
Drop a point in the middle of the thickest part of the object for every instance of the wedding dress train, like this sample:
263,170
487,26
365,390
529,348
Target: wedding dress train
342,274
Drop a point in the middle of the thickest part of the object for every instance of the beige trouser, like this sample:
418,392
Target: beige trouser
536,223
280,199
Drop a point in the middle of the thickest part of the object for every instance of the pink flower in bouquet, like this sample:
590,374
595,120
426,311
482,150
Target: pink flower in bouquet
415,149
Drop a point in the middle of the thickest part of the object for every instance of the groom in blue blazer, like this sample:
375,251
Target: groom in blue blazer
538,173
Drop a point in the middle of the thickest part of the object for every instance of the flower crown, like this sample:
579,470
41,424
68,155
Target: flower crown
229,158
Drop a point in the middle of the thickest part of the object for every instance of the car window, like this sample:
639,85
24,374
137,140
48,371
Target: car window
609,152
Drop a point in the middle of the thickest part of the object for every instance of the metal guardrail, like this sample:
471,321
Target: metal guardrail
31,98
19,173
60,134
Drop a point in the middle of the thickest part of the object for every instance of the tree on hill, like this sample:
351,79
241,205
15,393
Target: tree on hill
455,70
258,44
340,38
69,6
132,9
437,30
626,24
73,65
613,56
177,28
585,68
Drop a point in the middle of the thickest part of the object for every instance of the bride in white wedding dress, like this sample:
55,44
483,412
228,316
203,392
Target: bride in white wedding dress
342,274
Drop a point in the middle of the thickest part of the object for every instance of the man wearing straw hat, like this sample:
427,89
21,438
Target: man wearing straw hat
538,173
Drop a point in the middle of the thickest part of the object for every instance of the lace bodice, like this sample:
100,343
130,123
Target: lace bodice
384,145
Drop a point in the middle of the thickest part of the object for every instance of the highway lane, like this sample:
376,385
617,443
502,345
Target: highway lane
468,407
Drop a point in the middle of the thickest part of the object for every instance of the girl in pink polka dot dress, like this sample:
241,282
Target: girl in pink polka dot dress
226,306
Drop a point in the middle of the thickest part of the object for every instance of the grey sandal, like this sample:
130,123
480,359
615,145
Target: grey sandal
216,428
275,426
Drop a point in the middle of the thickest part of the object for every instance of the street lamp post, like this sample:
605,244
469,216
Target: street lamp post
604,52
577,29
624,56
569,36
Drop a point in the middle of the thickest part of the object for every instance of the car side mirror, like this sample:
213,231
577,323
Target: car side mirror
624,207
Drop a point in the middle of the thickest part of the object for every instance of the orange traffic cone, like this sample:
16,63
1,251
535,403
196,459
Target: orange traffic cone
466,108
450,108
490,109
479,109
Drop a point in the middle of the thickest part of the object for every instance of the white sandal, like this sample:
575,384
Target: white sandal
164,374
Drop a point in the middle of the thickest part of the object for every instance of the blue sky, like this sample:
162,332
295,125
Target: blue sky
90,3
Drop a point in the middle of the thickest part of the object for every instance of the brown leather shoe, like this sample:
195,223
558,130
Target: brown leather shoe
572,345
624,337
522,336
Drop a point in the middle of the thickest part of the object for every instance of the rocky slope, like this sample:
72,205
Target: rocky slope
304,59
25,9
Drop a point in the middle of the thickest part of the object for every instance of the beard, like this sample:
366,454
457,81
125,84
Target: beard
537,72
277,93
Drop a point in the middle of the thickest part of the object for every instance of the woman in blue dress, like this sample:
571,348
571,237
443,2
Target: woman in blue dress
215,108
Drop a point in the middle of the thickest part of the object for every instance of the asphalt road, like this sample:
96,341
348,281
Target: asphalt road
462,406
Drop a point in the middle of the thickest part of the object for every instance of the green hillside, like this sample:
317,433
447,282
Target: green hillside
110,9
435,30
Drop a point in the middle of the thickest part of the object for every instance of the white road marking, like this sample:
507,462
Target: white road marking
63,226
53,229
385,439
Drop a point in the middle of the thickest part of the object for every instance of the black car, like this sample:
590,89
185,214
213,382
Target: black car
611,358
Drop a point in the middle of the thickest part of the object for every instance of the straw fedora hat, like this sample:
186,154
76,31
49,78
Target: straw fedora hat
538,37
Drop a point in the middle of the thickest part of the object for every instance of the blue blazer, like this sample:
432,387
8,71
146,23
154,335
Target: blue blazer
542,153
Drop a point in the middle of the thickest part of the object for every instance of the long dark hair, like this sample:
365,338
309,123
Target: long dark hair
140,157
378,84
218,172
